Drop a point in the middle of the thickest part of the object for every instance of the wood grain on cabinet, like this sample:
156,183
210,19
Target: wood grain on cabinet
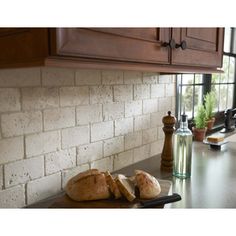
204,47
120,44
113,48
19,46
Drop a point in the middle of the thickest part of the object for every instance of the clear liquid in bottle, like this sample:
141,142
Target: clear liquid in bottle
182,150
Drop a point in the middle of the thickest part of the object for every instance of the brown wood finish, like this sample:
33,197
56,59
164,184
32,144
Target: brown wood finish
63,201
166,155
85,63
21,46
120,44
113,48
204,47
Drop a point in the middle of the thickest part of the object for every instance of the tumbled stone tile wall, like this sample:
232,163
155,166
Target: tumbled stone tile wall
57,122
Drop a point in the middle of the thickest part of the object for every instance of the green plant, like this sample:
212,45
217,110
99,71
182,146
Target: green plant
210,100
200,119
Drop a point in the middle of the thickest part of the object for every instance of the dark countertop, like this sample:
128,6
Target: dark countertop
213,180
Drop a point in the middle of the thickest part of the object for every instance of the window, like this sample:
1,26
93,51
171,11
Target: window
191,88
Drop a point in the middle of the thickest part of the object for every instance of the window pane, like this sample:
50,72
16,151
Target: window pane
233,32
230,96
215,88
231,69
188,78
197,97
215,78
223,97
227,40
187,100
198,78
224,76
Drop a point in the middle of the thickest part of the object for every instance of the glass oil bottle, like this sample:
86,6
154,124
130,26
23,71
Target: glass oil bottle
182,149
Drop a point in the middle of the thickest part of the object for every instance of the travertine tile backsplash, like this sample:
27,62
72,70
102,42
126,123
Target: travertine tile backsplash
57,122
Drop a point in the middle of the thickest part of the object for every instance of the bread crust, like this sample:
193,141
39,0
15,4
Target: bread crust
148,185
84,174
129,194
215,139
112,185
87,187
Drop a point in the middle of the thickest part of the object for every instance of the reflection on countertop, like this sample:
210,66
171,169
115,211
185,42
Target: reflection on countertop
213,180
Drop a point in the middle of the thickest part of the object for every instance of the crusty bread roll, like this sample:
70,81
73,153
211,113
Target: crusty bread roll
215,139
86,186
148,185
126,187
84,174
112,185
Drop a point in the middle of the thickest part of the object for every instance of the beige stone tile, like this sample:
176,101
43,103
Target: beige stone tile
11,149
59,118
123,159
22,171
41,143
43,188
60,160
75,136
73,96
112,77
88,77
23,77
39,98
13,197
112,111
103,130
52,76
9,99
88,114
20,123
113,145
89,152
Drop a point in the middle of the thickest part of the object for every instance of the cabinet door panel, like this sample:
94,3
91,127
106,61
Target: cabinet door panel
204,46
122,44
23,45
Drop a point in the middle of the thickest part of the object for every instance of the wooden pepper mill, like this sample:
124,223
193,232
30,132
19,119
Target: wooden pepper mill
166,155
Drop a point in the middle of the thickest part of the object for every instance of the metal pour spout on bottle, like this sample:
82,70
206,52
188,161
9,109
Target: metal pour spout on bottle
182,149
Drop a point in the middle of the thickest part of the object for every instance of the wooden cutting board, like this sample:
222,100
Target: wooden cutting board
63,201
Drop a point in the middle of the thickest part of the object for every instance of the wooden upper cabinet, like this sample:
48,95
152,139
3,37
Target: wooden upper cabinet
119,44
23,46
145,49
204,46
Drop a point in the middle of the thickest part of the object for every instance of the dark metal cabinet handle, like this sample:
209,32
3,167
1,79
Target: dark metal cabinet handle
182,45
170,44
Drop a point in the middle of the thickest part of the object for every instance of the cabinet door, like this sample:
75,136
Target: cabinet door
23,46
119,44
204,46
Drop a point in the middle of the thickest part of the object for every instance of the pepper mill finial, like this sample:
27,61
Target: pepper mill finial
166,155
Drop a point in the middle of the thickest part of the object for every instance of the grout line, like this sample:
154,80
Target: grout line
3,175
26,194
44,165
76,123
74,72
41,77
21,99
24,146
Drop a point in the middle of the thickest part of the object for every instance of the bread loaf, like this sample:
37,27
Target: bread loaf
147,184
112,185
86,186
126,187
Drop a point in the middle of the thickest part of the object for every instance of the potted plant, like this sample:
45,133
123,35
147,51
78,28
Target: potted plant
199,131
210,101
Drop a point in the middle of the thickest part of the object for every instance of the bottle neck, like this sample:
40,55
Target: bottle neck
184,124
